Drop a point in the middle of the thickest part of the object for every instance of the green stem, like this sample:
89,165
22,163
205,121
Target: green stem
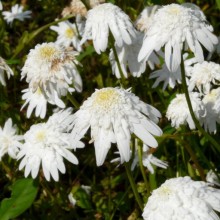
133,186
194,159
199,127
140,155
73,101
118,63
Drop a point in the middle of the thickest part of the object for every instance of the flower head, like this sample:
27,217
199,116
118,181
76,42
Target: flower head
103,18
9,140
4,68
113,115
211,102
172,26
47,144
67,35
203,76
178,111
52,69
182,198
16,13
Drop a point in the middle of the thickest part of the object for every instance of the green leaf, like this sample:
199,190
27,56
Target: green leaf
23,194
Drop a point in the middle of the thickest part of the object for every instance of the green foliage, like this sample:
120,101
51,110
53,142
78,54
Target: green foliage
23,194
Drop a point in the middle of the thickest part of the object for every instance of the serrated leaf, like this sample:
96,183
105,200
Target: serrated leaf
23,194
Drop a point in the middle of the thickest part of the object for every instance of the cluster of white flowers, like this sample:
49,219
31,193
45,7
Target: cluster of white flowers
183,198
114,115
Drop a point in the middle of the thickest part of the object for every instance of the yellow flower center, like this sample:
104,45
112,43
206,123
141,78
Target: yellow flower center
164,192
106,98
69,33
48,52
40,136
174,10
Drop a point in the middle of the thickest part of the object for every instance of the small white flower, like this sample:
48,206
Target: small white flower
113,115
4,68
148,159
72,199
185,199
52,69
16,13
87,189
67,35
144,19
47,144
172,26
103,18
211,103
9,140
127,55
178,111
212,178
203,76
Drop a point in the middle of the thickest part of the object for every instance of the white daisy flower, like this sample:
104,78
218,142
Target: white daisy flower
113,115
47,144
144,19
185,199
103,18
212,178
203,76
9,140
16,13
127,55
52,69
35,100
4,68
178,111
67,35
211,102
148,160
172,26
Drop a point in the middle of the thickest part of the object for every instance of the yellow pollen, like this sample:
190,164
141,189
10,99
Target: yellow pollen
47,52
38,91
69,33
106,98
174,10
164,191
40,136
